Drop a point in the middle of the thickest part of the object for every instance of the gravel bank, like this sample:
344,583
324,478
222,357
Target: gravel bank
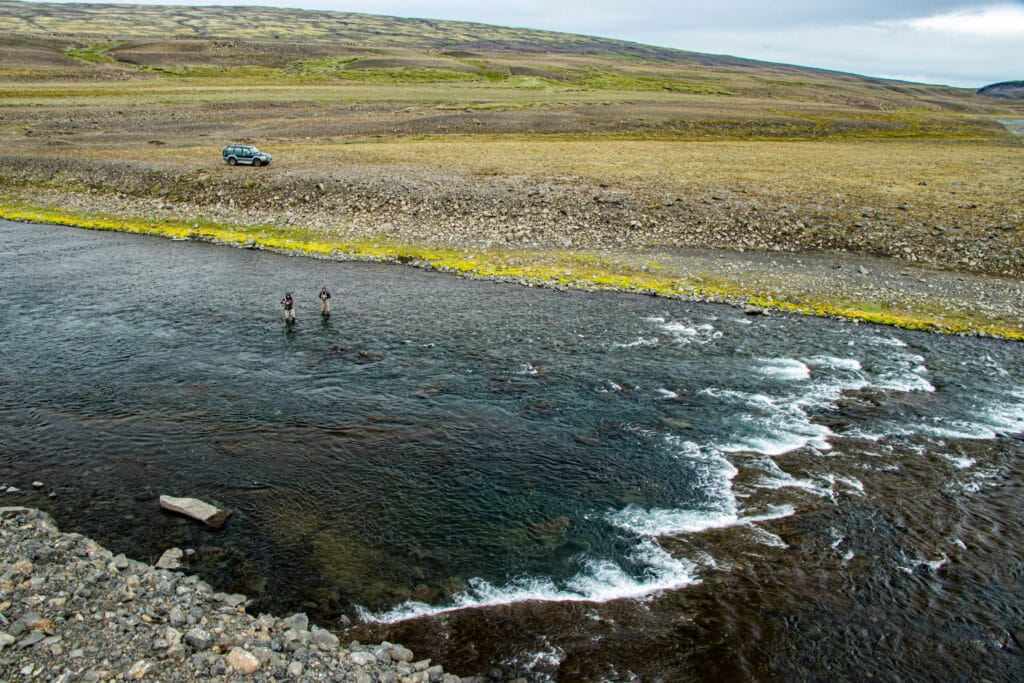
516,211
71,611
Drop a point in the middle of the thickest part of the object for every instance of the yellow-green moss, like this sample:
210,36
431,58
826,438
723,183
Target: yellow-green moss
561,269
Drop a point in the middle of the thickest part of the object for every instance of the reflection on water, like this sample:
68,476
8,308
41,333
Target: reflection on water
632,486
1016,126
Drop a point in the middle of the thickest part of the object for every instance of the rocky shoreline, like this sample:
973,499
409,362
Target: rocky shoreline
70,611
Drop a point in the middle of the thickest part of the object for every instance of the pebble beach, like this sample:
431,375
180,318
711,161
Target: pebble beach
70,610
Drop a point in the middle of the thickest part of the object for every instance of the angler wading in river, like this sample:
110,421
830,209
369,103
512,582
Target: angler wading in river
289,308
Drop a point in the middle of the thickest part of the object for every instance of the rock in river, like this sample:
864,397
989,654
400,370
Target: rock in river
196,509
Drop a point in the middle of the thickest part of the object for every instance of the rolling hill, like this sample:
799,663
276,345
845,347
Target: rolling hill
81,41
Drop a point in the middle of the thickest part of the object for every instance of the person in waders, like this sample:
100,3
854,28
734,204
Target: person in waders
289,308
325,302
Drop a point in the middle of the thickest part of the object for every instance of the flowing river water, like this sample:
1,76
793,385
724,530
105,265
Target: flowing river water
526,482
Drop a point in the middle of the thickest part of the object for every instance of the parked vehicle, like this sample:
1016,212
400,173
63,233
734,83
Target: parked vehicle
245,154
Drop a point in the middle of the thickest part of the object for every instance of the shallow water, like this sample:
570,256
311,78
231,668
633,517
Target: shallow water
1016,126
556,485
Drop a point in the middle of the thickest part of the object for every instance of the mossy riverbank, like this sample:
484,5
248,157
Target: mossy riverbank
679,274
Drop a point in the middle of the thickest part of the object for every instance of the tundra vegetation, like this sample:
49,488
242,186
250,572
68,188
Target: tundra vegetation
555,159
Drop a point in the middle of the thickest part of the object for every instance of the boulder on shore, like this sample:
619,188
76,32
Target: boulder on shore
210,515
171,559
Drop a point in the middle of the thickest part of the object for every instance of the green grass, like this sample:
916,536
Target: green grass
95,53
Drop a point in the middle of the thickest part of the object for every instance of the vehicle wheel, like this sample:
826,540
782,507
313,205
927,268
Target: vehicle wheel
257,163
232,161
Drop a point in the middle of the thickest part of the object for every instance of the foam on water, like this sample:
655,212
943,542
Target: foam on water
960,462
887,341
676,522
671,522
601,581
824,488
787,369
835,363
716,475
1006,416
1001,415
542,664
773,426
767,538
642,341
688,333
907,375
768,424
932,565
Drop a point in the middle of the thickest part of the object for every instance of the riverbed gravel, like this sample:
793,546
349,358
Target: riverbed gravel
71,611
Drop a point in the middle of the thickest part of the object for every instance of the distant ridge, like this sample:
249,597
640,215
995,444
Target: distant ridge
289,24
1007,90
348,29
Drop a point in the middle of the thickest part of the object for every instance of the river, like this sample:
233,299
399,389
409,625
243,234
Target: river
525,482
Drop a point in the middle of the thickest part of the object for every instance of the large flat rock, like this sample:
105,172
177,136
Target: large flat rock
194,508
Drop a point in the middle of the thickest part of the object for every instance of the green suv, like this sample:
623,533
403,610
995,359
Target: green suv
245,154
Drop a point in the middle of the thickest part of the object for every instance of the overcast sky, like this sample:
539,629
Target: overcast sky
953,42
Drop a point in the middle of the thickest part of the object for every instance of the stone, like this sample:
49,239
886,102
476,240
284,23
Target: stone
177,617
362,658
294,636
232,600
139,670
401,654
196,509
325,640
5,640
173,636
295,669
199,638
31,639
22,568
298,621
38,485
171,559
242,660
750,309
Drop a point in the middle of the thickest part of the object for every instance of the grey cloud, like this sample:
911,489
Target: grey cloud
602,15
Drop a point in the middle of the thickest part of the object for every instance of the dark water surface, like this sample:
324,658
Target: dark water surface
611,487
